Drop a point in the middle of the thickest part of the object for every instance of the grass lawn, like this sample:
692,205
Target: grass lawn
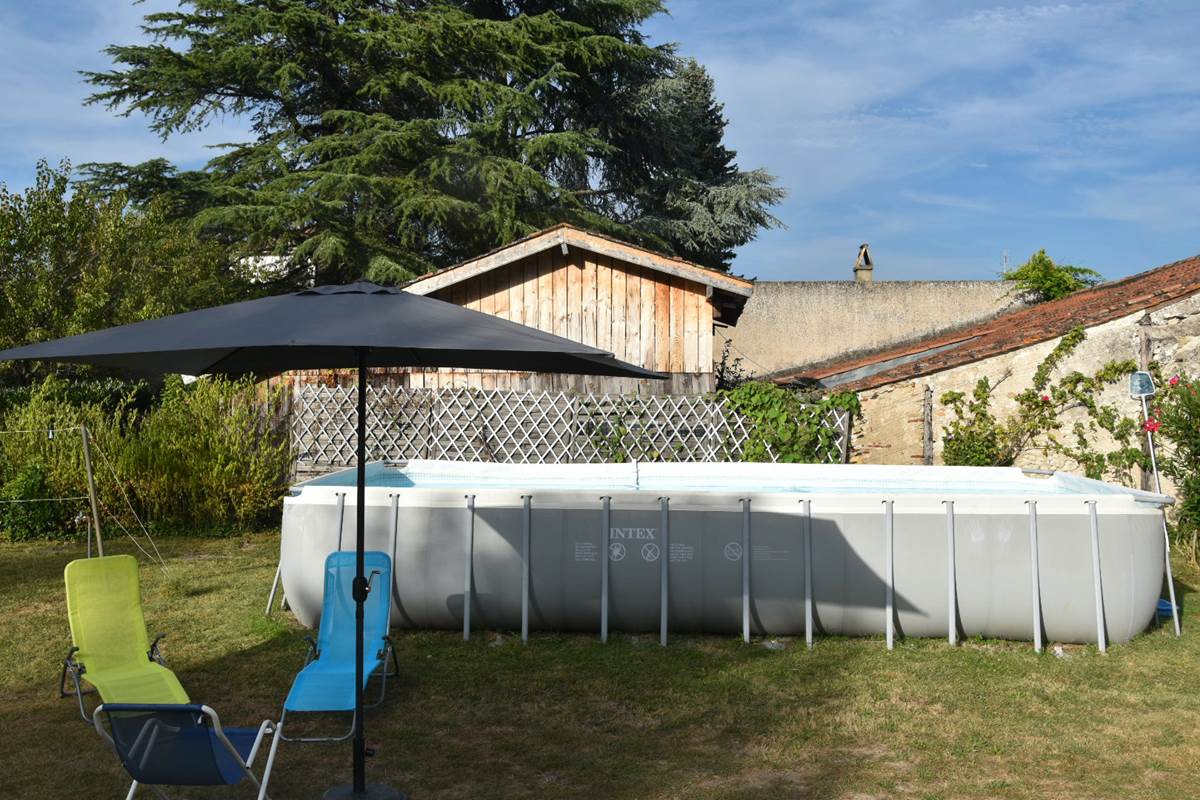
565,716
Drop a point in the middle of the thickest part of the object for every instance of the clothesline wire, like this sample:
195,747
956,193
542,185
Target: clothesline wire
117,480
45,499
156,556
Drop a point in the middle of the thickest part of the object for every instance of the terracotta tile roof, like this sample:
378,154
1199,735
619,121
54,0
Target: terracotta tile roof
1006,332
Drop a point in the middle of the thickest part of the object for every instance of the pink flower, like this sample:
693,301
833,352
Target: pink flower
1045,398
1174,380
1151,425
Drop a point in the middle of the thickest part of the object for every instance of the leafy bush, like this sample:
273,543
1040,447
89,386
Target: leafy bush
784,423
1041,279
204,457
975,437
1176,418
24,513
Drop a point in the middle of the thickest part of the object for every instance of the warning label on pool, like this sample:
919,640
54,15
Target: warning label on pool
650,552
762,552
586,551
682,552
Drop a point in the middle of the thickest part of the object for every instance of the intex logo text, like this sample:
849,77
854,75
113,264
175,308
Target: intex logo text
632,533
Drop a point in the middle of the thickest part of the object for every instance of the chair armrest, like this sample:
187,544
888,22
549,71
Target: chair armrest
153,653
69,661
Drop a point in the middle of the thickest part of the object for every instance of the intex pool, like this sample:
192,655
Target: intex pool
769,549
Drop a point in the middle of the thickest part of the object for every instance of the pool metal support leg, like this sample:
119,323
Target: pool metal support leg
889,574
808,573
468,566
605,528
527,523
1098,586
395,498
1170,577
1036,575
274,587
664,557
746,570
341,515
951,577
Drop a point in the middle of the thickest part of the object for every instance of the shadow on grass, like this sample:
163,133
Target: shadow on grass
562,716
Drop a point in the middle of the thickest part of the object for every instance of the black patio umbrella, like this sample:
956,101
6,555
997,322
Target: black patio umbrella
360,324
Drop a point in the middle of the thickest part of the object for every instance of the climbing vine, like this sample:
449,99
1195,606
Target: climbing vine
785,423
1175,420
975,437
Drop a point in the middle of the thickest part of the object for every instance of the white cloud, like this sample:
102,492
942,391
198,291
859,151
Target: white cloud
877,106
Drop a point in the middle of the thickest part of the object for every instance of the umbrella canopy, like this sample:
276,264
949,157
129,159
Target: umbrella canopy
327,327
357,325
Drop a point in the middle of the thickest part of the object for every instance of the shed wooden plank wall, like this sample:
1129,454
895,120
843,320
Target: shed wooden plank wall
641,315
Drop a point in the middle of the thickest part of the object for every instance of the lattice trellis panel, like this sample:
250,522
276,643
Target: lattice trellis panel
524,427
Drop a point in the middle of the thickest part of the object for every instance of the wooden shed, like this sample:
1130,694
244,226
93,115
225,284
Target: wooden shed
648,309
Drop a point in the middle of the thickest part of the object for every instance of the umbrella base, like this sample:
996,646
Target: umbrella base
375,791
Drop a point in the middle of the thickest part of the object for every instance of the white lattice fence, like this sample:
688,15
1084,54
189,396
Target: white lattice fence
524,427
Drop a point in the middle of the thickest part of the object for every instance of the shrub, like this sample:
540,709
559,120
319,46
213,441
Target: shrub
975,437
24,513
1176,417
1041,279
204,457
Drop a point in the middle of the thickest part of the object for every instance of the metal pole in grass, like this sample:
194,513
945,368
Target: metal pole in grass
361,588
527,524
808,573
1141,386
1035,575
664,600
605,522
951,578
746,570
91,484
469,550
888,529
1097,585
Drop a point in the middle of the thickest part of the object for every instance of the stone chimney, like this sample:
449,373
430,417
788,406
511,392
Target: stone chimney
863,266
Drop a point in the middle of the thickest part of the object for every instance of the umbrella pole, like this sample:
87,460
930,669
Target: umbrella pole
360,789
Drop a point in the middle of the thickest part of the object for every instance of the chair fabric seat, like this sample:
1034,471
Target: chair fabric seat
104,609
149,682
176,745
327,686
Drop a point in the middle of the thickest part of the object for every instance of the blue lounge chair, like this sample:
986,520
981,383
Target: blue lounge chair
326,683
179,745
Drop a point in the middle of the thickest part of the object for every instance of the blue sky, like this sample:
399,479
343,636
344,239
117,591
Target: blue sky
943,133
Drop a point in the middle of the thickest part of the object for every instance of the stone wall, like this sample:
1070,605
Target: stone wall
798,323
891,430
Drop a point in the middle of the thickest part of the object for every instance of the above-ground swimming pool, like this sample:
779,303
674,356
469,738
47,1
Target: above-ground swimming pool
755,549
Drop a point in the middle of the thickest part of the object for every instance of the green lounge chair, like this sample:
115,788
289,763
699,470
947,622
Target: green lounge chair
110,649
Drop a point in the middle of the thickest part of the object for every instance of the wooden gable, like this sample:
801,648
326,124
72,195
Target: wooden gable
655,320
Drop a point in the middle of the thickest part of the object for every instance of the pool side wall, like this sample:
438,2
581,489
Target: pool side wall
993,561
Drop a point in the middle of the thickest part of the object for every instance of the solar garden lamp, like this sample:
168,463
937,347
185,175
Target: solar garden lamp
1141,387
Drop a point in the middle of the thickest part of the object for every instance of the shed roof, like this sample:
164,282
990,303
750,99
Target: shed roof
1004,333
729,292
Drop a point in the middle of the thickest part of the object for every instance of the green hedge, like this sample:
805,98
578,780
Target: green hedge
208,457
